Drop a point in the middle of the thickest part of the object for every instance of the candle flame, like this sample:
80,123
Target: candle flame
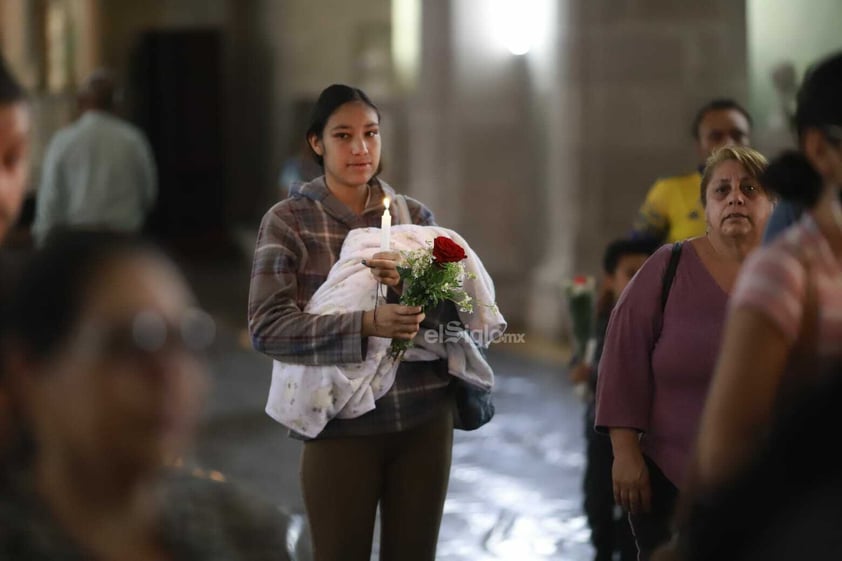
386,202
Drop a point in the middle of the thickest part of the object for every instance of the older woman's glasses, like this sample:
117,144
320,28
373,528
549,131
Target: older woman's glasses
149,333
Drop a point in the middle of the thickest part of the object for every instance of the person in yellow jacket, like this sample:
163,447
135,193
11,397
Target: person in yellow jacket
673,210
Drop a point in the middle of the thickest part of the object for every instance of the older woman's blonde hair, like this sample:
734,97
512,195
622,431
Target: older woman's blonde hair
753,161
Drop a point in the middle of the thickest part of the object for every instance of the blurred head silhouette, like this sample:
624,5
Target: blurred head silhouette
98,92
802,176
101,353
718,123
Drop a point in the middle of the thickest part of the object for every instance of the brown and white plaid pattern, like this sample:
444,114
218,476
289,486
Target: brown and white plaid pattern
299,240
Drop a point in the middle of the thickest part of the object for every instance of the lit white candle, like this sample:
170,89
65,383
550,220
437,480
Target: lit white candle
386,227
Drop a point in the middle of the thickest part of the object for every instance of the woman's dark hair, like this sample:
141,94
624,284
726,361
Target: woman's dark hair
331,98
10,90
792,177
819,106
818,100
50,291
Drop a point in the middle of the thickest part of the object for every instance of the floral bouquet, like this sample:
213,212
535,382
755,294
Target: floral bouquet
432,275
580,294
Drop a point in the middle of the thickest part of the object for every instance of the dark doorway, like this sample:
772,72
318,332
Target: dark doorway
177,100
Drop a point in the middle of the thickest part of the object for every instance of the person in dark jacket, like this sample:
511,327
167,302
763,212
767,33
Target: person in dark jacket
610,530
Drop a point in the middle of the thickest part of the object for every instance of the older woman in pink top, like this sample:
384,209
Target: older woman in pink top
659,358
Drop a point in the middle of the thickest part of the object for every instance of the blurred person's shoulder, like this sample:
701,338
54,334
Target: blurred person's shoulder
673,182
779,268
219,518
64,137
127,129
95,123
27,531
800,241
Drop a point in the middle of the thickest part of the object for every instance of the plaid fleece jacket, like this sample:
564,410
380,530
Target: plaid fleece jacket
300,239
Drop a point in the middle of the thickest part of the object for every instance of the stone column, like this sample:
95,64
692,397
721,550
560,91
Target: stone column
432,169
559,92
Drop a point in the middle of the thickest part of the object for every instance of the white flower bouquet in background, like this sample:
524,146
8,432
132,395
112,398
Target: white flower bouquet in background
580,295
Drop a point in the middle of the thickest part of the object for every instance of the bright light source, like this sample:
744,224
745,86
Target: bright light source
519,24
406,40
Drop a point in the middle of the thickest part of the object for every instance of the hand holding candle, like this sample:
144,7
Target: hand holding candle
386,227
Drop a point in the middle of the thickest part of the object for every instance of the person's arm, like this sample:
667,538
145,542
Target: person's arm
652,221
738,408
629,473
742,394
278,327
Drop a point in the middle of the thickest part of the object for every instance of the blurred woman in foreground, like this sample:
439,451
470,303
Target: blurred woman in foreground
784,330
102,353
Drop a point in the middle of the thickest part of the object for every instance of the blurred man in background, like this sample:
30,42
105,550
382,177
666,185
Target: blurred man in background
672,210
98,172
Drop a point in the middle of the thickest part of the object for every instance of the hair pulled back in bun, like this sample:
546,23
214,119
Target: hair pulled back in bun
792,177
819,106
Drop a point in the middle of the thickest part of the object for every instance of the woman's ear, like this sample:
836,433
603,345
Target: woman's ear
315,144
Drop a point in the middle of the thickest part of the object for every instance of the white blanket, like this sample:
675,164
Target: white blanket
305,398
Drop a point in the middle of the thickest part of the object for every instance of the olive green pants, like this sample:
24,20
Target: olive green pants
344,479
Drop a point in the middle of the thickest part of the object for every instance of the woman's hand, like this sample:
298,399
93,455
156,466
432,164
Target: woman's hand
392,321
384,267
580,373
630,474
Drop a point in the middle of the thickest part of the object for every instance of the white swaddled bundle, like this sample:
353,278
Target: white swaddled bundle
305,398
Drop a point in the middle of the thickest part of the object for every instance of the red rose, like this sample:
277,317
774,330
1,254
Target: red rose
446,250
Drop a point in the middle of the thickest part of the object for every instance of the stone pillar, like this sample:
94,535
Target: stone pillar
432,169
628,79
560,88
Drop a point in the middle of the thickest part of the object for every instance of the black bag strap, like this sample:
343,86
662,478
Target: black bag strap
669,274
